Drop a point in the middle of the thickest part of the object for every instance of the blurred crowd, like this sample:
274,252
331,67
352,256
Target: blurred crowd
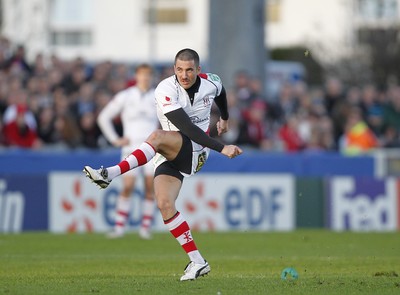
52,103
332,117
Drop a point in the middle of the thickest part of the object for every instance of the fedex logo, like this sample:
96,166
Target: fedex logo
363,204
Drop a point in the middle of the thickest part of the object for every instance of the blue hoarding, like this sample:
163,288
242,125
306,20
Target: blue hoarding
23,202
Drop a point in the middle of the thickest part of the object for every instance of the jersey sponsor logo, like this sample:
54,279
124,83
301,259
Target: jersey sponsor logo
167,101
201,161
196,120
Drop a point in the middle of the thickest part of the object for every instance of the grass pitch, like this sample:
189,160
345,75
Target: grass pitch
241,263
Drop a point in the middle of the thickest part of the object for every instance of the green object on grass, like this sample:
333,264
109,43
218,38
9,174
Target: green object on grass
289,273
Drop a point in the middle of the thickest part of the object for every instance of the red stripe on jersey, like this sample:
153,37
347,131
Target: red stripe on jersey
124,166
189,247
147,217
180,230
119,223
140,156
203,75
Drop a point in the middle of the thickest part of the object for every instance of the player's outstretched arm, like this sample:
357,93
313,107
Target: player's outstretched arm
182,121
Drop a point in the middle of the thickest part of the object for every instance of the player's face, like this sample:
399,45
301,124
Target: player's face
186,72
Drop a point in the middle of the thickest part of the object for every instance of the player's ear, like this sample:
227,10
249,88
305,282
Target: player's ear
198,69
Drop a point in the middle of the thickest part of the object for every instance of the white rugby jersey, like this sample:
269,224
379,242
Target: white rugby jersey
170,96
138,115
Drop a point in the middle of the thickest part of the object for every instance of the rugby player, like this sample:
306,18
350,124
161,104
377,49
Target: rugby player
135,106
181,148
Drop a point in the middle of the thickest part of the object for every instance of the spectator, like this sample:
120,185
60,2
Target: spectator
358,137
116,85
391,112
287,102
85,100
17,64
334,93
101,74
67,131
242,88
325,128
390,138
90,131
256,90
72,82
46,125
54,77
20,127
101,98
371,108
252,129
235,117
290,136
39,68
353,96
43,92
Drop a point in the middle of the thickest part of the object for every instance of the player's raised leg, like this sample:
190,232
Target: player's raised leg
167,143
166,192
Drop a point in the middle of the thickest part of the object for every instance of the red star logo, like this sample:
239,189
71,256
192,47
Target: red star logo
69,206
207,203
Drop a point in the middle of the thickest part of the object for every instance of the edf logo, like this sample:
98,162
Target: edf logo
363,204
253,206
225,202
12,205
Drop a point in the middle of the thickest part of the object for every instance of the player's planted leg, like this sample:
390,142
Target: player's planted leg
166,191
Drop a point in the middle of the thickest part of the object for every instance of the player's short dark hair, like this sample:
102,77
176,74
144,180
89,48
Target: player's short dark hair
188,54
143,66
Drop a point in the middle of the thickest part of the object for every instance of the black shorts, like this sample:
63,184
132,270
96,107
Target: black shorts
182,162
